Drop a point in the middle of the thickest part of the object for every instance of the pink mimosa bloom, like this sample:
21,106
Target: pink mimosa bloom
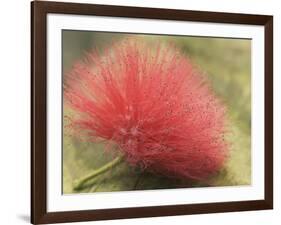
153,104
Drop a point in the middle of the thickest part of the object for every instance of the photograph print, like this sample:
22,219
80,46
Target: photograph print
150,112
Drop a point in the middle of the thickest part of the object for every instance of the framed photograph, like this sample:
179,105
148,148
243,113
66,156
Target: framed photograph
143,112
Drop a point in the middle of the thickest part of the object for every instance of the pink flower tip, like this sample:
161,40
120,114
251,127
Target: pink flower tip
153,104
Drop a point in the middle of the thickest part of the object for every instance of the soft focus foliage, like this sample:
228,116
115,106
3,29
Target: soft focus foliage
226,63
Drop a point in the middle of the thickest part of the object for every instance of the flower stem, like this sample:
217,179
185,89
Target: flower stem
80,183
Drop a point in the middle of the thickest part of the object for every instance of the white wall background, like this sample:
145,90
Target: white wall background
15,111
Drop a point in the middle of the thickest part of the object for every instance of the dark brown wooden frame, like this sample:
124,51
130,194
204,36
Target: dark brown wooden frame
39,11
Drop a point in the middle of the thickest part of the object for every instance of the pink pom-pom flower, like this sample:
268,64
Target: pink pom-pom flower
151,102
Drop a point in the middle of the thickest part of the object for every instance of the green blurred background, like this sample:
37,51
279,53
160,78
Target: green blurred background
226,64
